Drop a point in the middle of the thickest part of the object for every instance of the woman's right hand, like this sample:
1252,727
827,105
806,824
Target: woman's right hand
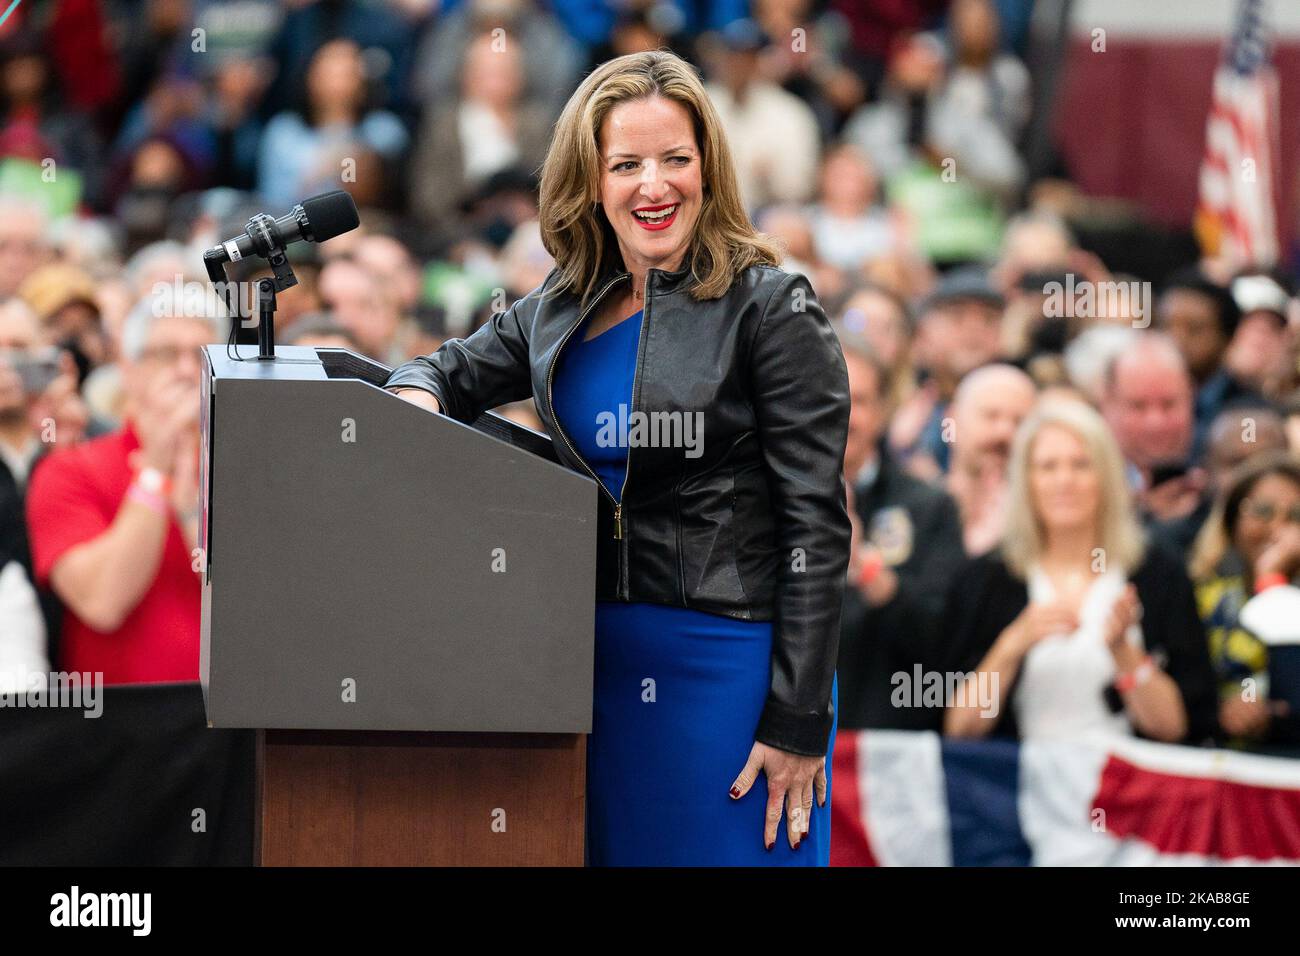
162,418
418,396
1282,554
1036,622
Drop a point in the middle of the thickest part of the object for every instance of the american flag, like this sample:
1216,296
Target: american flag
1236,217
913,798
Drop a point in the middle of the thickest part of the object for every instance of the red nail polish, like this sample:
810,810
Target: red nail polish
770,845
796,845
735,792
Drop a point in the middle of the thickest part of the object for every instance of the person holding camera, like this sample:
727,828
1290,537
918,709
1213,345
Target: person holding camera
114,521
39,407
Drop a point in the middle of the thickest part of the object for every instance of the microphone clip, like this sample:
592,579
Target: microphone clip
270,245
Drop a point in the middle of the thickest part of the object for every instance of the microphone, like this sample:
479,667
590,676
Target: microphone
314,220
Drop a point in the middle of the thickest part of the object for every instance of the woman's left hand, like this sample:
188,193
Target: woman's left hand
1248,718
791,780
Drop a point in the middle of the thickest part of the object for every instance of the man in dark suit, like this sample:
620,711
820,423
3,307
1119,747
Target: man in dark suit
907,547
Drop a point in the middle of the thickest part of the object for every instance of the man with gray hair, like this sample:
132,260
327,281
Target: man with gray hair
23,242
114,521
1148,401
988,407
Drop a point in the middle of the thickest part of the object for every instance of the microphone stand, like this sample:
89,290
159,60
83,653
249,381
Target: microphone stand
267,287
267,240
266,306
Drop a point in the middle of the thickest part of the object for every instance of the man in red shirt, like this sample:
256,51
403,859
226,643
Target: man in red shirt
114,521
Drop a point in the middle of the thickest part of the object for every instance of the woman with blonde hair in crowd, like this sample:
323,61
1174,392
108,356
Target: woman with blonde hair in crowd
1075,625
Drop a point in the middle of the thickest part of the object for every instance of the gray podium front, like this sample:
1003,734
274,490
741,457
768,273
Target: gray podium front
403,605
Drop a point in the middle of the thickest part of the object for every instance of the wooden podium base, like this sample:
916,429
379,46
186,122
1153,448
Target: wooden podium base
377,798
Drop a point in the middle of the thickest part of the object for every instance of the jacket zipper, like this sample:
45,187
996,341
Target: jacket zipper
550,401
623,584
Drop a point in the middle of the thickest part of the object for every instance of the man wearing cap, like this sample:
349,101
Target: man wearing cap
774,136
1259,355
64,299
960,330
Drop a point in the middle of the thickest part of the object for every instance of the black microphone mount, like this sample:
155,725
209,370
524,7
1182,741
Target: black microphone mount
314,220
269,245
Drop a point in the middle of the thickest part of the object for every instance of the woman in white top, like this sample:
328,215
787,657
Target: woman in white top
22,632
1075,625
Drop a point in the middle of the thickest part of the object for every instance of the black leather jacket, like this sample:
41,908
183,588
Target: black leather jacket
755,526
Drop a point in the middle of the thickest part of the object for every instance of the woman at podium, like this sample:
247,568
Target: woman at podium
702,387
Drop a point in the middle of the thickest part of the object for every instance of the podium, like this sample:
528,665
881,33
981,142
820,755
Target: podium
402,606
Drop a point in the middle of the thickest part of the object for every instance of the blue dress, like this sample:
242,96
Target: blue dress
678,692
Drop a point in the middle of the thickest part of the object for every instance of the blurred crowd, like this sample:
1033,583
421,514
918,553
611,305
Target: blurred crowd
1034,423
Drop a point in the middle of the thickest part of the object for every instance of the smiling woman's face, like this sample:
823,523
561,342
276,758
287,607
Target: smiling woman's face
651,186
1064,485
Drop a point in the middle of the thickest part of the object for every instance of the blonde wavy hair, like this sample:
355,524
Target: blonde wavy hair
1118,533
576,231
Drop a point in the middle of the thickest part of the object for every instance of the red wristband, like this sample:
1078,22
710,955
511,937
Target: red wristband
1138,675
1271,580
154,482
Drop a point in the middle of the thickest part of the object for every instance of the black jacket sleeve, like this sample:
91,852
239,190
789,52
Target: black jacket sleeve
924,581
1172,629
488,368
983,600
801,397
